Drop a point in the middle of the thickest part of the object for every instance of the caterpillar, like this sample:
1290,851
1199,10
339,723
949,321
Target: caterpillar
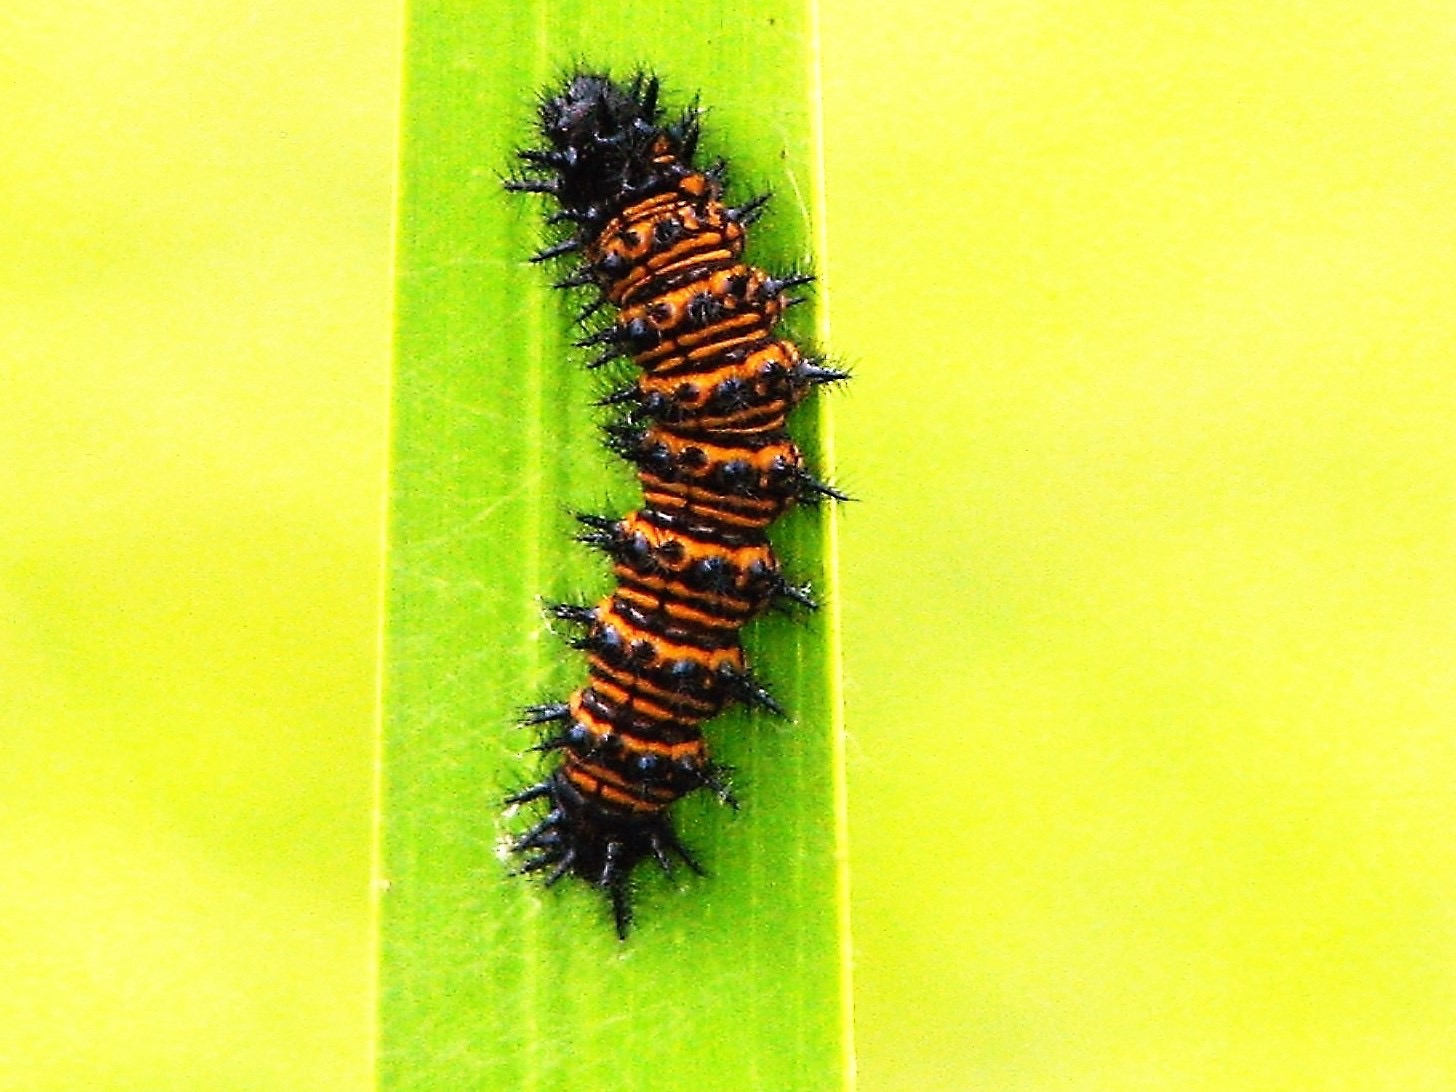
703,422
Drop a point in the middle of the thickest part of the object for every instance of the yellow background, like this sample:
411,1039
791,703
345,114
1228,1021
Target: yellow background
1149,604
1152,656
193,365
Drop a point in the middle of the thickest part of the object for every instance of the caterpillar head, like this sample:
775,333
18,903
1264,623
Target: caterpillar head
609,144
593,110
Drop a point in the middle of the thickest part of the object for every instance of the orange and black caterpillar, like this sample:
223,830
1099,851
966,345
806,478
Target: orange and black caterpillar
704,424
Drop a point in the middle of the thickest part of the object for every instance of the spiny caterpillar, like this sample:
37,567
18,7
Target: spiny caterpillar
704,424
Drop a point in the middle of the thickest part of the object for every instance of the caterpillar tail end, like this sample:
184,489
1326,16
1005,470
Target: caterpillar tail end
581,836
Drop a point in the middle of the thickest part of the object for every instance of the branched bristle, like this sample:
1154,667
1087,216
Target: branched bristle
750,210
566,246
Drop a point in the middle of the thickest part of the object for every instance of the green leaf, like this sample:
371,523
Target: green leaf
736,980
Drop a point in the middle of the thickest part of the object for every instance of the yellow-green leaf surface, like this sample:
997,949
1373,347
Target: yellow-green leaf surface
736,980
